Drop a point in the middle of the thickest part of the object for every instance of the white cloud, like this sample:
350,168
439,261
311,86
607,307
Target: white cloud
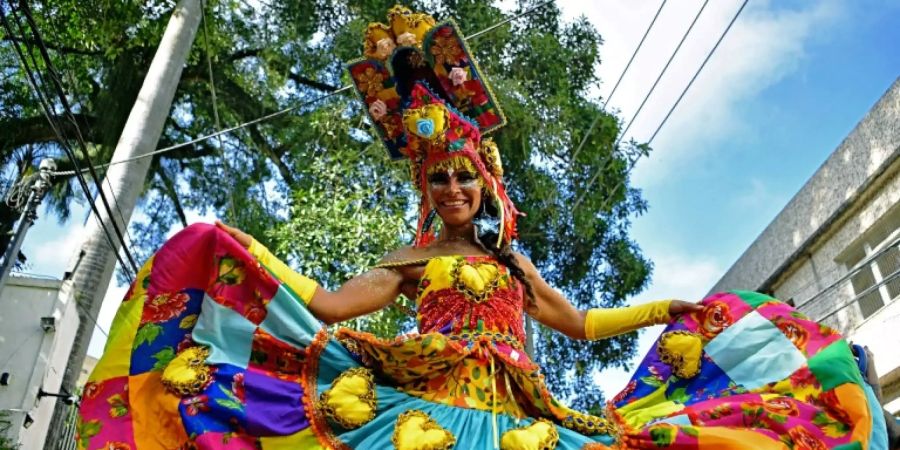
763,46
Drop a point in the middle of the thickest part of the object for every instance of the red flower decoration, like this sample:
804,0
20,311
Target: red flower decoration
804,440
237,385
92,389
714,318
164,307
797,334
782,406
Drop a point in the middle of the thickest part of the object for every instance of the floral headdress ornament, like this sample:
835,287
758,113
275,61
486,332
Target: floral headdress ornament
430,104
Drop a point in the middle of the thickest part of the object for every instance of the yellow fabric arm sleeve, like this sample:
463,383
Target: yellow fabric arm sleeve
303,286
602,323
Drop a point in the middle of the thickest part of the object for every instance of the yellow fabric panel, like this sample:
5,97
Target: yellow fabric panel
606,322
156,421
303,286
853,400
116,360
653,406
722,438
304,439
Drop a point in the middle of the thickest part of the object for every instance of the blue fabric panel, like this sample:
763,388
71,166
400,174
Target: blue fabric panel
288,319
681,419
878,439
753,352
228,334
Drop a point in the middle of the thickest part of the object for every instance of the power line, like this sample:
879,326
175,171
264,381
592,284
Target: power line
215,108
290,108
663,72
46,110
616,86
56,85
633,162
690,83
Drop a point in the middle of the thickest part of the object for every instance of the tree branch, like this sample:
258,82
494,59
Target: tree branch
172,194
16,131
58,48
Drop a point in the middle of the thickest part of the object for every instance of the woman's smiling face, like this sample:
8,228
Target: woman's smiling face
455,194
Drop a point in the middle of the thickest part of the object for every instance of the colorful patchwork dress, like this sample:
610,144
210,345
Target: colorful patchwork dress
210,349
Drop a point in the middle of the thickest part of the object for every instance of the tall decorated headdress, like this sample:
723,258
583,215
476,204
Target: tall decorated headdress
430,104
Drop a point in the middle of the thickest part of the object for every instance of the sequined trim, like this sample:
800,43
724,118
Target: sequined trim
586,424
496,337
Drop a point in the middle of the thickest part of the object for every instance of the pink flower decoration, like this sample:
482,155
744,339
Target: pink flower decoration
377,109
458,76
384,48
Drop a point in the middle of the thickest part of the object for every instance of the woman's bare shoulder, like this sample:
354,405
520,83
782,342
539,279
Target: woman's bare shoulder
404,254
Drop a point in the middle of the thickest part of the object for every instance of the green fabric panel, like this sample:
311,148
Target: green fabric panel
855,445
754,299
834,365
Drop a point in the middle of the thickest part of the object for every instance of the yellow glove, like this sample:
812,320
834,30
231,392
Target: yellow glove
602,323
303,286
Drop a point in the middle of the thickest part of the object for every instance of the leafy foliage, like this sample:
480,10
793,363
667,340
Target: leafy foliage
313,184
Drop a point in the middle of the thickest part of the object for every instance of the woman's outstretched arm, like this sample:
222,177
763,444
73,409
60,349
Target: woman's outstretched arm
362,294
554,310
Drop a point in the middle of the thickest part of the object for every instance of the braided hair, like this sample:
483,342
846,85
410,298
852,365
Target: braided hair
503,253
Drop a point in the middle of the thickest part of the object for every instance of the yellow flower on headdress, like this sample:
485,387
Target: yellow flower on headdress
379,41
409,28
428,122
491,156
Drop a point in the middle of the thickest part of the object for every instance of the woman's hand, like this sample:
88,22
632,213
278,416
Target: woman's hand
243,238
682,307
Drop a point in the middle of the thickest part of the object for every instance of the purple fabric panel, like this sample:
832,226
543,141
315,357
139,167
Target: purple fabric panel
274,407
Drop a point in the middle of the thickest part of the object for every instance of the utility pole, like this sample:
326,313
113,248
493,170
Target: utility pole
124,183
41,184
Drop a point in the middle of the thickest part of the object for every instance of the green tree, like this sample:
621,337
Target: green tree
313,184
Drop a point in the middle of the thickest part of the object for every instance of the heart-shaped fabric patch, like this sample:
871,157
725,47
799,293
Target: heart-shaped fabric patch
477,281
681,350
540,435
416,430
187,374
351,400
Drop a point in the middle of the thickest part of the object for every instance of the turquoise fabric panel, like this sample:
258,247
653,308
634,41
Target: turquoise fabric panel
472,428
333,360
754,352
288,319
878,439
681,419
228,334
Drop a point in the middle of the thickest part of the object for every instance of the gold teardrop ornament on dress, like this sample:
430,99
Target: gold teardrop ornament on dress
682,351
351,400
539,435
187,374
416,430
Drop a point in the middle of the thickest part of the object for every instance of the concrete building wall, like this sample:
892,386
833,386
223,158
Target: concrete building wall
34,357
836,186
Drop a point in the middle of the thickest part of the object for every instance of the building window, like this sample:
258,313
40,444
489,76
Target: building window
876,255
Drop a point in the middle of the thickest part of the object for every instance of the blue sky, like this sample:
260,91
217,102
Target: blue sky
789,82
